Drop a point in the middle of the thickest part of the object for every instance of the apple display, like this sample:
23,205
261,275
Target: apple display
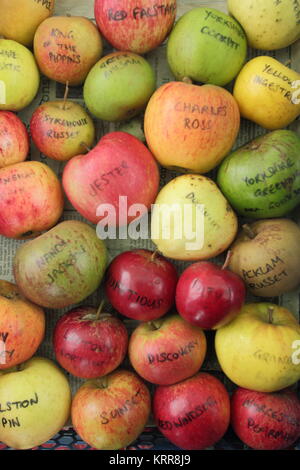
191,128
265,255
136,26
35,402
140,284
208,295
66,48
14,139
207,46
167,350
31,199
256,350
119,86
19,76
109,413
61,267
193,414
266,421
22,326
89,343
102,177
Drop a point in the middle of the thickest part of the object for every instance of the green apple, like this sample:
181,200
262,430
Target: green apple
119,86
35,403
19,76
192,220
262,178
208,46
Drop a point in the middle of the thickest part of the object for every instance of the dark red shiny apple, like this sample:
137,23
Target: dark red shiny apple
208,295
266,421
88,344
140,284
193,414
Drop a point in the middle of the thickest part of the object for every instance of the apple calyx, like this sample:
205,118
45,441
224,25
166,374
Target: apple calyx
270,314
249,231
227,260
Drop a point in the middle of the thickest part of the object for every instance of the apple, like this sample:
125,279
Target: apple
209,296
89,343
62,129
265,255
20,18
191,128
167,350
135,26
31,199
191,219
62,266
256,350
207,46
119,86
35,403
140,284
22,326
102,176
266,421
66,48
110,412
193,414
14,139
19,76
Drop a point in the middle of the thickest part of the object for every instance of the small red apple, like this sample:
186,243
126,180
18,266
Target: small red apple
110,413
14,139
89,344
119,166
208,295
266,421
167,350
193,414
140,284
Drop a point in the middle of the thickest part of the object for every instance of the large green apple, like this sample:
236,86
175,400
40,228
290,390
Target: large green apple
208,46
262,178
35,402
19,76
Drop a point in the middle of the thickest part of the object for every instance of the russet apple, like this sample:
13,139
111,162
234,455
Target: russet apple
22,326
61,129
119,166
89,343
66,48
167,350
31,199
191,128
35,403
110,412
256,349
14,139
193,414
136,26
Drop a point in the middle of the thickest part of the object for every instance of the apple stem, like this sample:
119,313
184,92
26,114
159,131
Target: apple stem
248,231
66,94
155,324
87,148
287,63
270,313
154,255
227,259
187,80
99,310
103,382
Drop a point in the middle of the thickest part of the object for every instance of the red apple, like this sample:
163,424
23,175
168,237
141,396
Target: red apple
135,25
193,414
89,344
31,199
14,139
167,350
119,166
110,413
266,421
141,284
208,295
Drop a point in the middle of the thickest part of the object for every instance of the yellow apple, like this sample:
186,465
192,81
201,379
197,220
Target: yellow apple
258,349
19,19
35,403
